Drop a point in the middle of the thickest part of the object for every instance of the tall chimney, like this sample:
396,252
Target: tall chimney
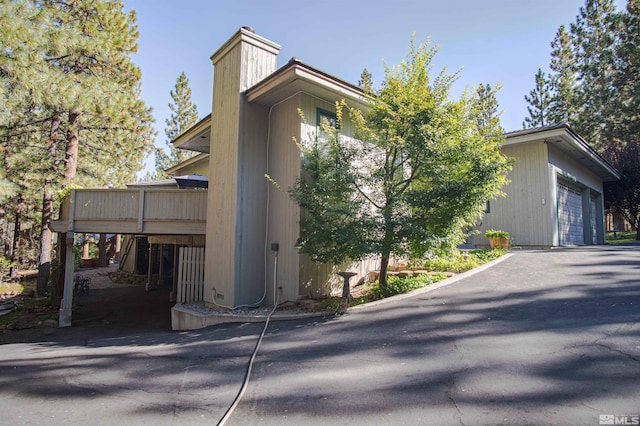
233,274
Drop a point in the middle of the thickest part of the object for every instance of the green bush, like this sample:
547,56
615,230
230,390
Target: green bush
396,285
457,261
493,233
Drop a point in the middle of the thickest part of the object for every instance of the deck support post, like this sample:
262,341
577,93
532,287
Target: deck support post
66,304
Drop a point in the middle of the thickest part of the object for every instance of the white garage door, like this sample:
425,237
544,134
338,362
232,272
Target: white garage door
570,217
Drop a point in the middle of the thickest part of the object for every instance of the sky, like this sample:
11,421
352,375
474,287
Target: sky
488,41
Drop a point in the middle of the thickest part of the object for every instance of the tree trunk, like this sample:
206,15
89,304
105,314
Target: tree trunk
384,263
71,155
85,246
46,236
102,251
13,271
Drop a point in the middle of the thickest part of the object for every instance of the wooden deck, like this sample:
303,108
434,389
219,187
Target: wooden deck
134,211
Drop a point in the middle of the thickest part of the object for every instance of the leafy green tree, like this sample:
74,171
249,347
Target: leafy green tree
419,172
184,114
331,228
539,100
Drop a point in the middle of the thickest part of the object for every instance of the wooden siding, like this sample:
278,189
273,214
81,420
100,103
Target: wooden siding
200,167
251,214
239,64
525,212
574,171
284,214
223,174
134,211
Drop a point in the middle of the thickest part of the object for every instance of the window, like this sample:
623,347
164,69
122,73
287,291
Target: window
324,119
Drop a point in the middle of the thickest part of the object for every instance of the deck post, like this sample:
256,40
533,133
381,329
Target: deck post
64,320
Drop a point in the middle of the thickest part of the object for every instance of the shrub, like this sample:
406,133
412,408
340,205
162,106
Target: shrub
493,233
397,285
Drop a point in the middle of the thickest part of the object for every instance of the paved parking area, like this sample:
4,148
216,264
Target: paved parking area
545,337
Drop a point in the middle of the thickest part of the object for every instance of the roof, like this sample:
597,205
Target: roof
295,77
571,143
186,181
196,137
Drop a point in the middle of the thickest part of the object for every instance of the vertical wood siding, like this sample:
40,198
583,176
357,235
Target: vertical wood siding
526,211
223,172
574,169
190,275
284,214
251,215
234,165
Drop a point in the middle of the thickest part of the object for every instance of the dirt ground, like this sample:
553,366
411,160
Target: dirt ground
122,305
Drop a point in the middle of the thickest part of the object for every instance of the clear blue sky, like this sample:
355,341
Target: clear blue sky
491,41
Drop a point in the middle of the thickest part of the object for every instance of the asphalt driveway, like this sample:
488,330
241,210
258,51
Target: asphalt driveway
544,337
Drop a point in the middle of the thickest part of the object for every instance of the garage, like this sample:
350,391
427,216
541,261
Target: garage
570,215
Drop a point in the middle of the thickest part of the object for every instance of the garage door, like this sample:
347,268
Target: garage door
570,217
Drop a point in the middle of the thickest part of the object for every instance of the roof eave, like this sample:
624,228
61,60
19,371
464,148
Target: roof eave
563,132
297,77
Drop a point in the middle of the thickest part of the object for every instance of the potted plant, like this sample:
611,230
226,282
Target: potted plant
497,238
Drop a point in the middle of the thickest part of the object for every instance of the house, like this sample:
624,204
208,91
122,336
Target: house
555,194
234,243
248,224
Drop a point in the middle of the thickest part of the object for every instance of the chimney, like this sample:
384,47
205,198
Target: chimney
236,173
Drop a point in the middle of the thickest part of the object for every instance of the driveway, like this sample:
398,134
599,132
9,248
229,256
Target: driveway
544,337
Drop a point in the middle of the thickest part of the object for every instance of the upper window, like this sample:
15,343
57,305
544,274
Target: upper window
325,119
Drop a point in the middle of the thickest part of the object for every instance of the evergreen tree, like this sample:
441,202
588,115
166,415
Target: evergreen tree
73,113
626,78
539,100
184,114
366,81
594,39
562,107
595,86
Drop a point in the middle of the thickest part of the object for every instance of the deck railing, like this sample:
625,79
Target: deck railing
134,211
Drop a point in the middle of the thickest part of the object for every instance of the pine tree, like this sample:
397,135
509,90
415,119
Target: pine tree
366,81
73,111
184,114
539,100
626,78
594,38
562,107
